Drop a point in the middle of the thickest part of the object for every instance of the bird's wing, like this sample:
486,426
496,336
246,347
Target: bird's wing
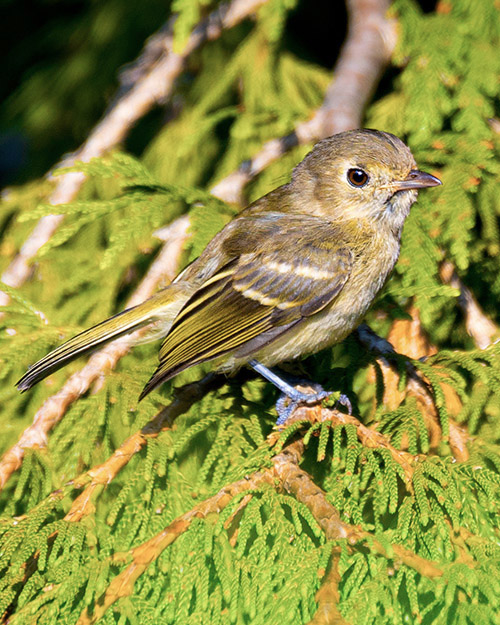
257,297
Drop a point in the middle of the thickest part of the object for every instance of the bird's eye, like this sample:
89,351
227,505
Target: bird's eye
357,177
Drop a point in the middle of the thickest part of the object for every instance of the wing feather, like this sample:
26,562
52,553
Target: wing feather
255,298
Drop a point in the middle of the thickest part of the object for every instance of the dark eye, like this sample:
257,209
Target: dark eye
357,177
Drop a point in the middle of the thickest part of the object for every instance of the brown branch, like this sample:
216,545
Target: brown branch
482,330
100,476
408,337
328,596
53,409
285,473
494,123
371,40
159,67
367,50
302,486
296,481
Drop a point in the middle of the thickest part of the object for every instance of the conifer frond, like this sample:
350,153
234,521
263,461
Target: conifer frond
190,507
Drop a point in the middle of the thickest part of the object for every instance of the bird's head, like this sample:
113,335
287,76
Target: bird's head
362,174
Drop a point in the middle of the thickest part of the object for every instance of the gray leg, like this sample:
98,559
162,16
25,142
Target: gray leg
297,397
343,400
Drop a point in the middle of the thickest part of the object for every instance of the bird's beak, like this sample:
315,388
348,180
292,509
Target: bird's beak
417,180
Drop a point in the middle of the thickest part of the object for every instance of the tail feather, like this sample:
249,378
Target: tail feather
162,307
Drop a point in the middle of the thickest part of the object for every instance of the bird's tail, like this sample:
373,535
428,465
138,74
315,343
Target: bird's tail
160,310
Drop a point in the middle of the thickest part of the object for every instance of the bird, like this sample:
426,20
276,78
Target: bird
292,274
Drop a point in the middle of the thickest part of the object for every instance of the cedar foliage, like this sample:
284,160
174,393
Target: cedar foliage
421,518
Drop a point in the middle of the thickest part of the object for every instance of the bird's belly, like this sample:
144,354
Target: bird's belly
333,323
313,334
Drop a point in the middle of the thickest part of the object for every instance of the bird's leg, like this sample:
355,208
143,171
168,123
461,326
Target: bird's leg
343,400
292,394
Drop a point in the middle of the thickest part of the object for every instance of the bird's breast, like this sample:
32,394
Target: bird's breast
370,271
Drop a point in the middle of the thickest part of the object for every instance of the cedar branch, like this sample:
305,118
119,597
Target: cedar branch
482,330
54,408
297,482
148,552
155,71
370,42
286,471
367,436
102,475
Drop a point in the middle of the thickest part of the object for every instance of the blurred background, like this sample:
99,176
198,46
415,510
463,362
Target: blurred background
62,61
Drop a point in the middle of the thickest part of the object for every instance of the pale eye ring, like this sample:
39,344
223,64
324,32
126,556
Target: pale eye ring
357,177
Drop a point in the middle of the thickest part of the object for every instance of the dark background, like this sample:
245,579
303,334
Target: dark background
62,60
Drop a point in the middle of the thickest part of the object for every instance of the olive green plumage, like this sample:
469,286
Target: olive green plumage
294,273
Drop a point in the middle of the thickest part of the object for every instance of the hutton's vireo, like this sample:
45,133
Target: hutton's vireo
294,273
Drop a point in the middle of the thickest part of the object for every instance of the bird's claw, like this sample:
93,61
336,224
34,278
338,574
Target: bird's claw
287,403
297,398
343,400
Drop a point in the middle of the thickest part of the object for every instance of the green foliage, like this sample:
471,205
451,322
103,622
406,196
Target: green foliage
442,103
424,521
188,14
62,64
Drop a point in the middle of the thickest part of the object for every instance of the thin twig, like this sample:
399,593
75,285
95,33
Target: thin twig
155,82
408,338
328,595
54,408
284,473
102,475
482,330
299,483
370,42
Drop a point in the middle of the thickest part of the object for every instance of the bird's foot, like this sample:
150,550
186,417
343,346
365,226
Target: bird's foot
289,401
291,396
343,400
285,405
